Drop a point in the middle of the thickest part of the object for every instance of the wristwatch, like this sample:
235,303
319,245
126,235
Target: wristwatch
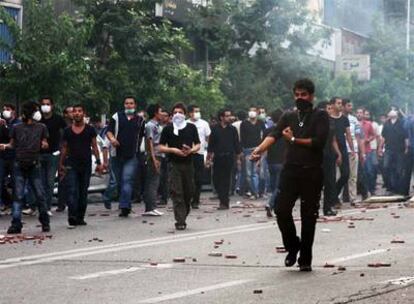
292,140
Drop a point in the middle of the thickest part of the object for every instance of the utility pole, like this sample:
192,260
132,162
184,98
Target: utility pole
206,49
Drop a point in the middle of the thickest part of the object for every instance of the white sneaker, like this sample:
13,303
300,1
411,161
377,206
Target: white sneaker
29,211
70,226
50,213
151,213
158,212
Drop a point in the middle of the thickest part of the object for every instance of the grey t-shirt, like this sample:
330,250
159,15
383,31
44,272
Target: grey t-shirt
28,140
153,131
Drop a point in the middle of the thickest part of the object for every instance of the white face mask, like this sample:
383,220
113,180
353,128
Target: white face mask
197,115
179,122
6,114
252,114
46,109
37,116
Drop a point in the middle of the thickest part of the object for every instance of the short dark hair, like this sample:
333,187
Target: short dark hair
322,105
276,115
65,110
179,105
130,97
333,100
48,98
192,107
79,105
152,110
242,115
10,105
304,84
28,109
345,101
221,113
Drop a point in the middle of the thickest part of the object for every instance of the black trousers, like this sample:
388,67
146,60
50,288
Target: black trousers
306,184
329,181
198,161
222,171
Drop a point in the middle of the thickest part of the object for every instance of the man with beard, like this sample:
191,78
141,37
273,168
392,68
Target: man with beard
306,130
76,164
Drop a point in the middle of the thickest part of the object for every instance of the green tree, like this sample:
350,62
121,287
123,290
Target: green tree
49,55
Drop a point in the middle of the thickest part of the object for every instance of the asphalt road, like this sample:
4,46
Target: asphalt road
114,260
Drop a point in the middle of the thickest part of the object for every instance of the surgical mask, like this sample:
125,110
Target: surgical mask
46,109
129,111
178,119
197,115
7,114
262,116
252,114
37,116
303,105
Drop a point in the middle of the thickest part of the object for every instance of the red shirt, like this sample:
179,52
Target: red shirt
368,133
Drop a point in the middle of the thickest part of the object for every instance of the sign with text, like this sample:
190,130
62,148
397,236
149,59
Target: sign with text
354,64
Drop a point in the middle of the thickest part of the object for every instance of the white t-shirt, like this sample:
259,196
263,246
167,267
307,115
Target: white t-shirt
237,125
204,131
355,128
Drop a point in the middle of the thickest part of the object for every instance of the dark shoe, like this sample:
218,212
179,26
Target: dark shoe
108,205
223,208
269,213
60,209
81,223
180,226
195,207
330,212
46,228
14,230
125,212
305,268
291,258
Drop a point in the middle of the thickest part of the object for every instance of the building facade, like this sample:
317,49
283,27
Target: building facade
15,9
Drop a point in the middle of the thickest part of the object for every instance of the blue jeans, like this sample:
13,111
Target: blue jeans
77,178
24,177
264,179
274,173
394,170
251,172
125,173
112,188
370,168
48,169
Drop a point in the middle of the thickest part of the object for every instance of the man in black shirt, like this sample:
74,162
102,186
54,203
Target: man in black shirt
28,139
251,132
223,147
76,164
306,130
125,132
49,158
180,141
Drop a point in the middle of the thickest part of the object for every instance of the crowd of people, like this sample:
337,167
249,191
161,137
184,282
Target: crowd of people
154,155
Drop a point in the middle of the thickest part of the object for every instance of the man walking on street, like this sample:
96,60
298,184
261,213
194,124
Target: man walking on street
204,132
76,164
251,132
125,132
306,130
180,141
49,159
28,139
223,148
154,156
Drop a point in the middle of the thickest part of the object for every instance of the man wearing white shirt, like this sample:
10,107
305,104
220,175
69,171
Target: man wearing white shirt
204,131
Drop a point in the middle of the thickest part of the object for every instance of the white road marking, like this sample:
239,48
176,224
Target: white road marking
187,293
357,256
75,253
401,281
119,271
49,257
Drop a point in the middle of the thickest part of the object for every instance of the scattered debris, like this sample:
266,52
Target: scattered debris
179,260
230,256
327,265
257,291
397,241
341,268
377,265
215,254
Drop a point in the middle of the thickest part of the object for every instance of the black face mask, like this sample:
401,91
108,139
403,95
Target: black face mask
303,105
